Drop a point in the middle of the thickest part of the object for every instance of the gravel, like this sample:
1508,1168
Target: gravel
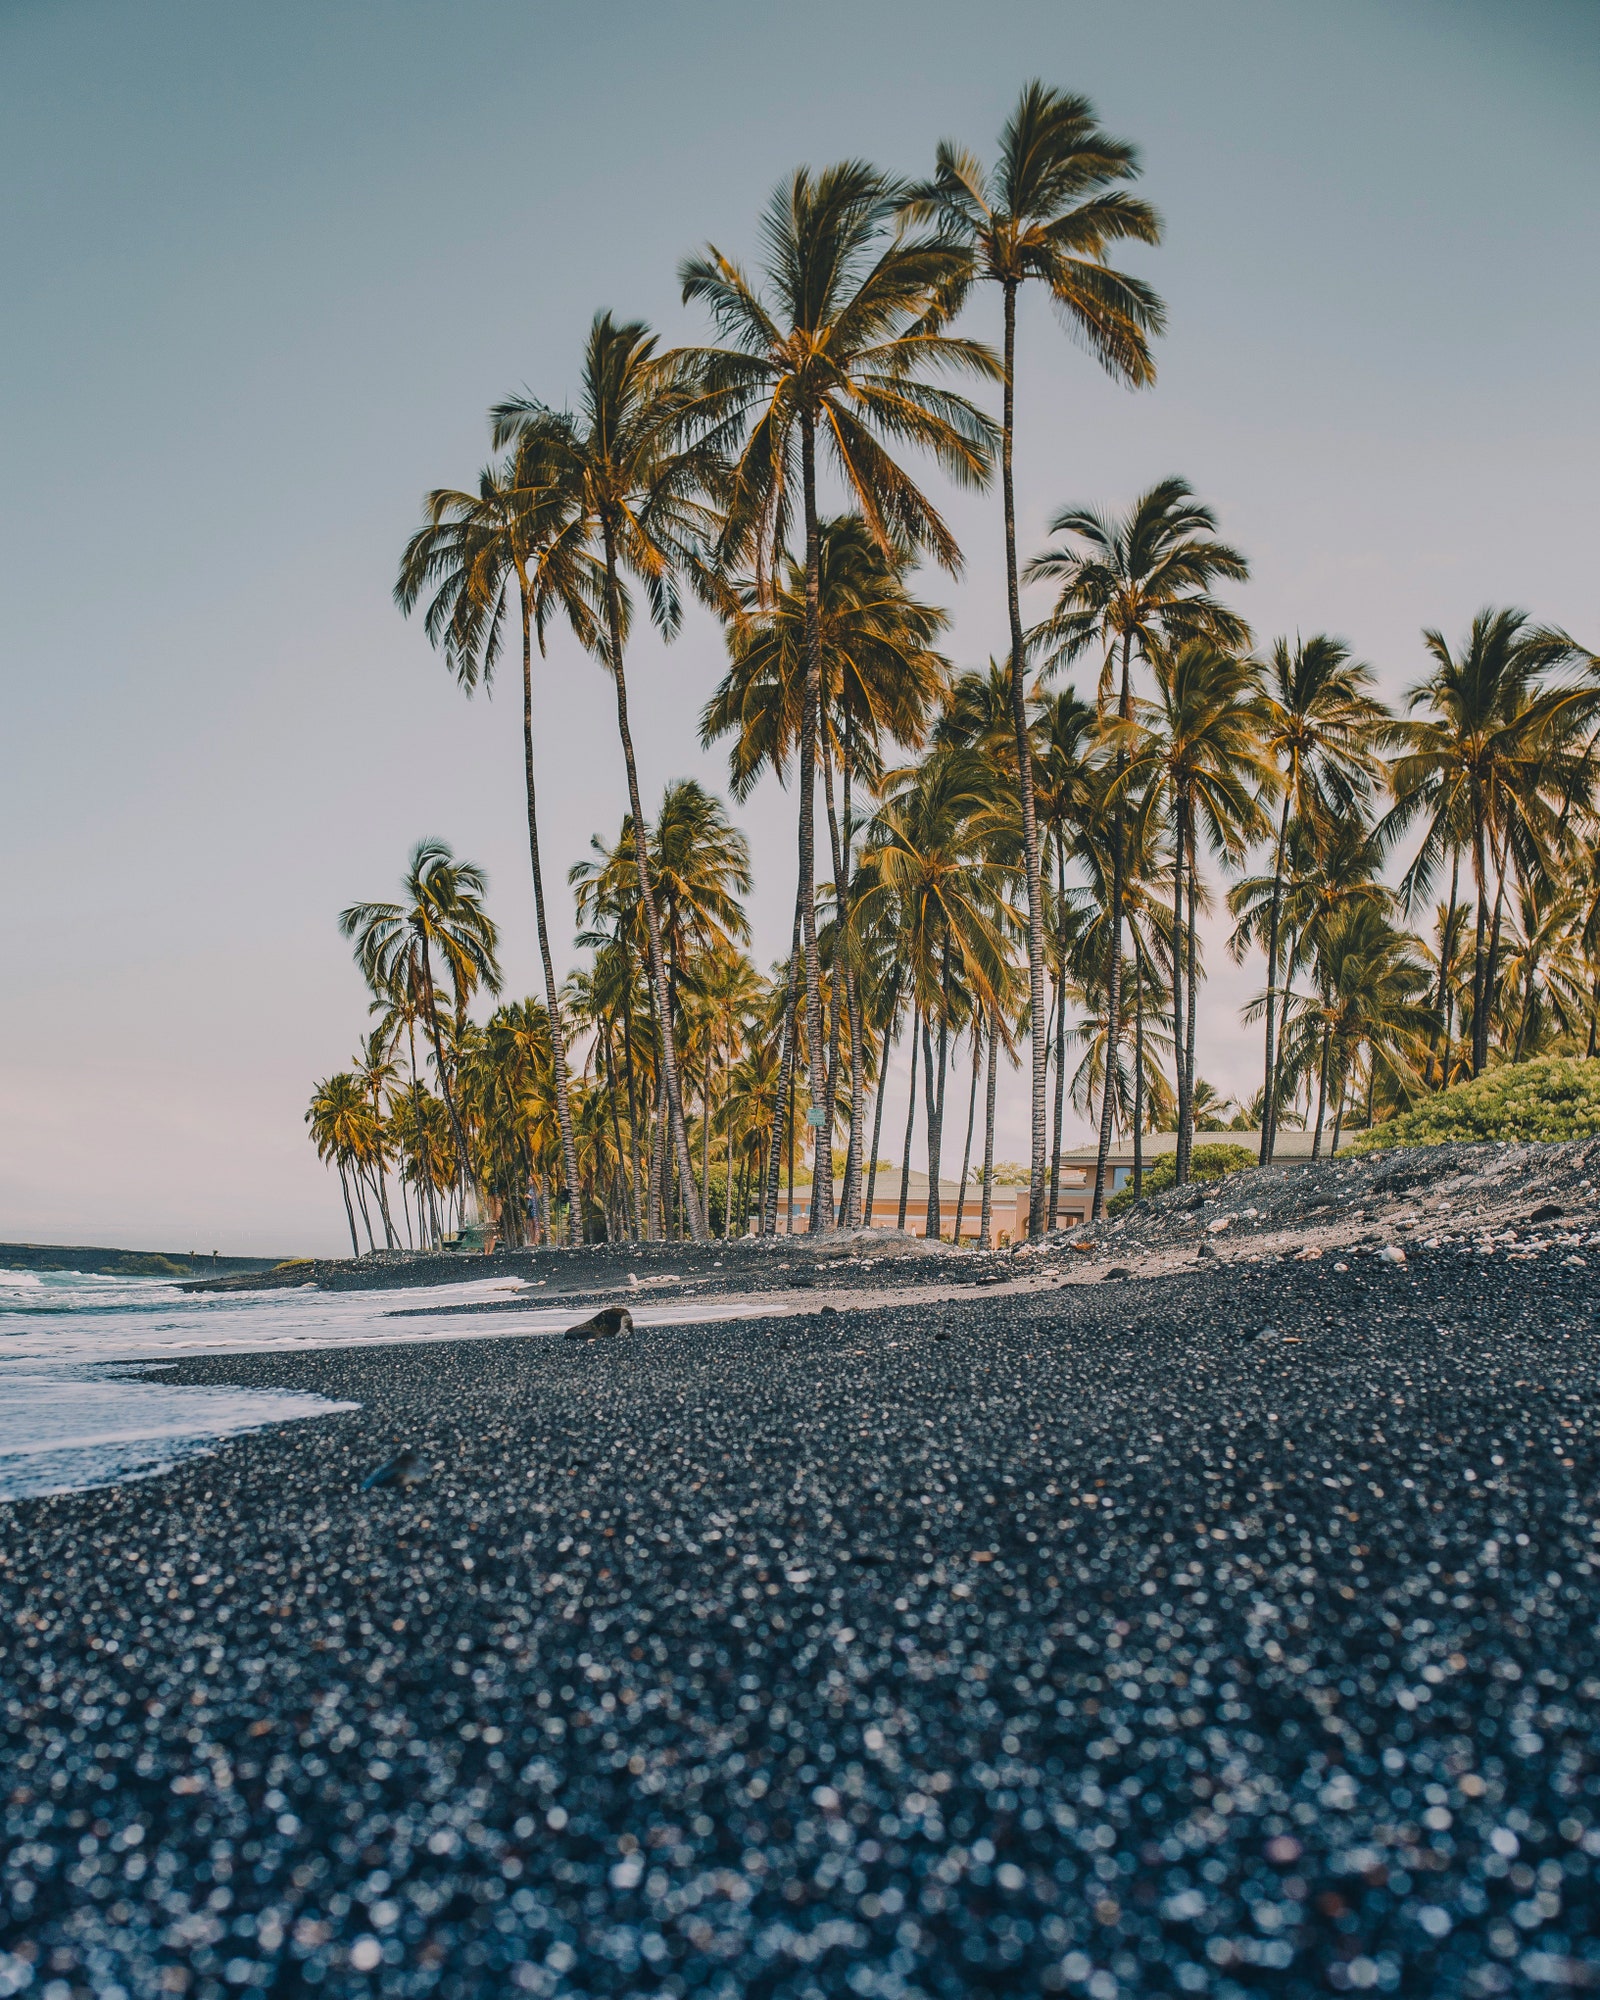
1227,1632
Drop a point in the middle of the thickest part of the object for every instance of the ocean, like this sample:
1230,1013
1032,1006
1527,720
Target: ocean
82,1402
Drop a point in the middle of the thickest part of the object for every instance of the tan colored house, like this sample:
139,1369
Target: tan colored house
1010,1207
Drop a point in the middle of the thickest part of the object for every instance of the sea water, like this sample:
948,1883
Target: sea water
81,1404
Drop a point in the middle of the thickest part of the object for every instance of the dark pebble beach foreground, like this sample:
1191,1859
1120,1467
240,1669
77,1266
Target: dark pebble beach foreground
1229,1632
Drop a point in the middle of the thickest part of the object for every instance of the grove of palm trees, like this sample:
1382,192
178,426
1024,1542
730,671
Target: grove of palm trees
1004,867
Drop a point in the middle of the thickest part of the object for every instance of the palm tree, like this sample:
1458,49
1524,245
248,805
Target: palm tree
340,1121
1128,586
834,351
376,1072
925,857
633,484
881,682
396,943
1046,212
1201,762
519,530
1496,756
1372,992
1319,724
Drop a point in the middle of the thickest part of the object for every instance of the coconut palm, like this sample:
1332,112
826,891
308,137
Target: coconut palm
341,1130
1199,762
1320,722
881,682
1497,755
635,489
518,534
1046,212
834,352
441,918
925,857
1125,586
377,1073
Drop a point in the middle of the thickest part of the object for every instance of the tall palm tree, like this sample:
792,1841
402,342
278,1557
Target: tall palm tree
1200,760
1319,724
925,857
1126,586
1046,212
375,1070
1497,754
441,915
518,533
341,1130
635,487
834,351
881,682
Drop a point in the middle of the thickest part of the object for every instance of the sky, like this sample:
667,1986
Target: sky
263,271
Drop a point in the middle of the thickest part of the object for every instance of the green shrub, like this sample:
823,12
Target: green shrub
1557,1097
1206,1163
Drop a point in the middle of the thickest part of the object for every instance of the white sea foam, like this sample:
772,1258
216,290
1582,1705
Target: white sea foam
68,1421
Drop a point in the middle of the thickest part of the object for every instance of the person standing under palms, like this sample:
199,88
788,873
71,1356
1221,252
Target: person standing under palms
1128,586
516,530
1047,212
634,484
833,356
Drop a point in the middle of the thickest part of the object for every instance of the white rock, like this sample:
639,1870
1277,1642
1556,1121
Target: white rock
1391,1253
1219,1222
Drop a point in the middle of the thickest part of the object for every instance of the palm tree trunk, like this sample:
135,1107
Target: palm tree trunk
558,1040
1114,959
425,1184
853,1001
883,1078
1372,1082
1446,936
1322,1096
911,1119
1493,964
652,920
1060,1107
1338,1114
361,1203
635,1190
788,1223
930,1099
1186,1133
349,1212
1480,1011
1180,1172
783,1108
986,1213
1269,1134
819,1133
844,975
630,1214
810,712
431,1003
1138,1071
660,1227
1038,1032
972,1113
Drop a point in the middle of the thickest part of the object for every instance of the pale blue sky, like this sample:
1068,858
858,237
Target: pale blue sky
265,269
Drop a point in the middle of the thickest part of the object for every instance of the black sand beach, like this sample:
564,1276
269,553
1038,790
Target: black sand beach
1227,1632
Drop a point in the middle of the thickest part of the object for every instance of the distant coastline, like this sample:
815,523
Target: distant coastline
102,1263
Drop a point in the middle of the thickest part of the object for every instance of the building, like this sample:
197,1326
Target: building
1009,1224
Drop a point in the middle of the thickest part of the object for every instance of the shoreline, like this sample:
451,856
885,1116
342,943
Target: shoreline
778,1649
